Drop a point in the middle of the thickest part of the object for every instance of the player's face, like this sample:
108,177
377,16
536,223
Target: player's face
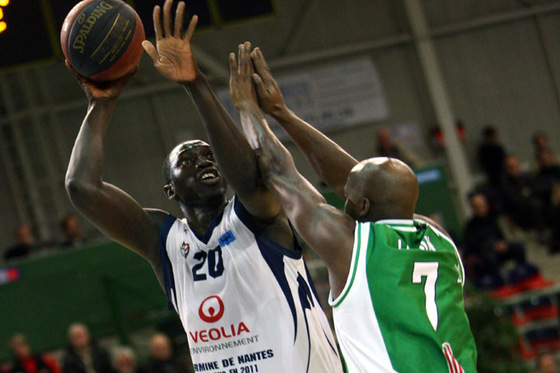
196,176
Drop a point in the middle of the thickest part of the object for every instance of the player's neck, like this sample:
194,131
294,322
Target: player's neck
199,215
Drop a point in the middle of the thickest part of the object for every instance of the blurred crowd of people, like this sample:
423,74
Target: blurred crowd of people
27,245
512,198
85,355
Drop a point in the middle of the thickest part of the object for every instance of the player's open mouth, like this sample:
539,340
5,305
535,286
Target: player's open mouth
209,177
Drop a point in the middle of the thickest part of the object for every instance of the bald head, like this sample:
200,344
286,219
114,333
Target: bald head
161,347
381,188
78,334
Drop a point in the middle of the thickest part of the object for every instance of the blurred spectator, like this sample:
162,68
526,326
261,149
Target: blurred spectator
485,247
547,188
387,148
84,355
520,203
71,229
26,362
491,155
546,363
547,179
124,361
162,359
25,243
540,142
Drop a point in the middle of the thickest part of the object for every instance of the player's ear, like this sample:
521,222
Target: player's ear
364,208
169,191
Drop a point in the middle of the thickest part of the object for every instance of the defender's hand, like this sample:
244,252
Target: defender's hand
172,55
241,87
268,92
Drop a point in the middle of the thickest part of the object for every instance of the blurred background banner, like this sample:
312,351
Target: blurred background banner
332,96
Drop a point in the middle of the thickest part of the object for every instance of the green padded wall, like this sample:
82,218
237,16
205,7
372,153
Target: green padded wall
107,287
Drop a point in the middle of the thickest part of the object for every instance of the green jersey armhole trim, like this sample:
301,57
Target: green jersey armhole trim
353,269
448,239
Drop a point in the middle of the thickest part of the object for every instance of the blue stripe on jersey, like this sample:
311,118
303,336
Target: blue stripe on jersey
314,290
272,253
167,269
306,302
311,283
248,221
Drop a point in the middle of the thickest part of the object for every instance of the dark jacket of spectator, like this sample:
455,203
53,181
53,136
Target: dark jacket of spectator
100,358
25,243
520,203
485,247
480,235
166,366
545,181
491,155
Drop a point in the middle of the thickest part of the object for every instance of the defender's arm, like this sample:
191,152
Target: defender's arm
332,163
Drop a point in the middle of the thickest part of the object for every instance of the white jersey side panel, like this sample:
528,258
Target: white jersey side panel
246,303
355,322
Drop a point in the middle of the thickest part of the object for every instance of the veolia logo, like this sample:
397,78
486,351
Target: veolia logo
211,309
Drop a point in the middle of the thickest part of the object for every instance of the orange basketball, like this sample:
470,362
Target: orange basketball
102,39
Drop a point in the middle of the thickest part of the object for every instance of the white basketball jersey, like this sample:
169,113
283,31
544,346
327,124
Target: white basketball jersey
246,303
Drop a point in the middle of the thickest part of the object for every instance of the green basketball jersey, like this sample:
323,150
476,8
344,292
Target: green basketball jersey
402,307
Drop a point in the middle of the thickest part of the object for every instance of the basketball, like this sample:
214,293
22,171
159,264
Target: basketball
102,39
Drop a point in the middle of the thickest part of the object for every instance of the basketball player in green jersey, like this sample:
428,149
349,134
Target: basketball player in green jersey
396,279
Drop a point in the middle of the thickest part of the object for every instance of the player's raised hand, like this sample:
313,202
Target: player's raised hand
172,55
97,90
241,73
268,92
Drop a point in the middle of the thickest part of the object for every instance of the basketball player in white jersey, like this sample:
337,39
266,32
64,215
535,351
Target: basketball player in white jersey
231,269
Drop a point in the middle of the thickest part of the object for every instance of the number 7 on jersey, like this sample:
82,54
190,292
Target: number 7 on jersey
430,271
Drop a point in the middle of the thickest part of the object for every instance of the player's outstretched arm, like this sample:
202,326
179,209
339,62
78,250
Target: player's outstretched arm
174,59
332,163
325,229
113,211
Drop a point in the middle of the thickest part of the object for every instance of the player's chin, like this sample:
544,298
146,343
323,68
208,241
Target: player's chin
212,192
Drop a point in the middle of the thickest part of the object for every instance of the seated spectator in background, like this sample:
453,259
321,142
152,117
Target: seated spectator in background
546,363
25,243
486,250
547,179
491,155
71,229
124,361
26,362
540,142
162,359
387,148
547,188
84,355
520,204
